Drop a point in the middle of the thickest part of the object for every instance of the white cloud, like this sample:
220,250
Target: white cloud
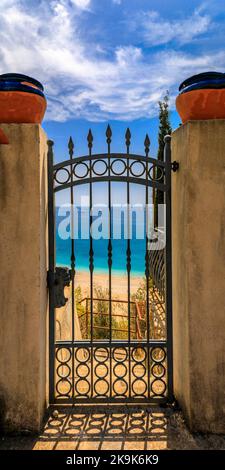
79,80
157,30
81,3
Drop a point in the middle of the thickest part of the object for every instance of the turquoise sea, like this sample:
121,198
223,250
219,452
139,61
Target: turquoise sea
100,247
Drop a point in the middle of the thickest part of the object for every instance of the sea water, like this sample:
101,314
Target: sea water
100,247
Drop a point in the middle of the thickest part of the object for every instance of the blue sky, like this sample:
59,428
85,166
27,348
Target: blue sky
110,60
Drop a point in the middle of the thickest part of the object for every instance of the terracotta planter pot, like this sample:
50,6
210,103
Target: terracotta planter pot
21,99
202,97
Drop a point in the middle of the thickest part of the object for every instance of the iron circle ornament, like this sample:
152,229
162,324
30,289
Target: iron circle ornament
139,370
137,174
58,176
78,384
85,355
66,359
158,370
100,359
121,372
140,354
66,371
76,170
156,173
158,387
99,162
101,383
135,386
158,354
64,383
101,367
120,351
83,370
120,383
115,163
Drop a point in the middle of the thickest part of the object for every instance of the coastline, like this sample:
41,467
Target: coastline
102,271
101,279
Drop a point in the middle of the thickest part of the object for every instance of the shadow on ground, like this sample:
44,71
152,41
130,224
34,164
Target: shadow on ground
114,428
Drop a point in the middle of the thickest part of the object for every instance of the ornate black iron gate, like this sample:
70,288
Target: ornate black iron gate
95,359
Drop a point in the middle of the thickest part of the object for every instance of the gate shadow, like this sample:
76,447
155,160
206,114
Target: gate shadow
102,428
112,427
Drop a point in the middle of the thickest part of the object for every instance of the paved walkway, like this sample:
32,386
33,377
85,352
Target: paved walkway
114,428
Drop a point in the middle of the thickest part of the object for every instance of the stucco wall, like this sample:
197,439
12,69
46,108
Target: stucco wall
198,247
23,293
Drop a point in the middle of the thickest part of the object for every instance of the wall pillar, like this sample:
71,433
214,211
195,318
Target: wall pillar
198,257
23,292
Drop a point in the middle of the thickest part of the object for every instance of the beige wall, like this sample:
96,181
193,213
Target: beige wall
198,244
23,293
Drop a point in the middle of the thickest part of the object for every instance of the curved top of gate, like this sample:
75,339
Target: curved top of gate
115,166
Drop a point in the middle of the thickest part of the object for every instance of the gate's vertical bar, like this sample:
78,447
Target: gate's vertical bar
71,149
109,135
128,137
86,319
91,255
147,271
51,271
167,159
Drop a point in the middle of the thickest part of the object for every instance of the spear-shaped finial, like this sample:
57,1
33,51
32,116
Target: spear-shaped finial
147,144
128,137
70,147
90,139
108,134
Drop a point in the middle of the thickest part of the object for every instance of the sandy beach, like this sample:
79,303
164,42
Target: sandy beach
119,283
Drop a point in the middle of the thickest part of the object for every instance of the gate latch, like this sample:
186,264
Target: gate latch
57,281
174,166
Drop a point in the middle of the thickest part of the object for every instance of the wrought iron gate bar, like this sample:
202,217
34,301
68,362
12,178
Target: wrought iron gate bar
168,251
108,140
91,252
73,259
160,186
109,173
128,137
139,368
115,343
102,156
147,149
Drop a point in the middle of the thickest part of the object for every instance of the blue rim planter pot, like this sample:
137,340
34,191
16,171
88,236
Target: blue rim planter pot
22,99
202,97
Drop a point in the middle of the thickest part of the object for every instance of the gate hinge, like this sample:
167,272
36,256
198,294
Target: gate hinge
57,281
175,166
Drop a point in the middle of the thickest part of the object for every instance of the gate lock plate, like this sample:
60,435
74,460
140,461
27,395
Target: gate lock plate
57,281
